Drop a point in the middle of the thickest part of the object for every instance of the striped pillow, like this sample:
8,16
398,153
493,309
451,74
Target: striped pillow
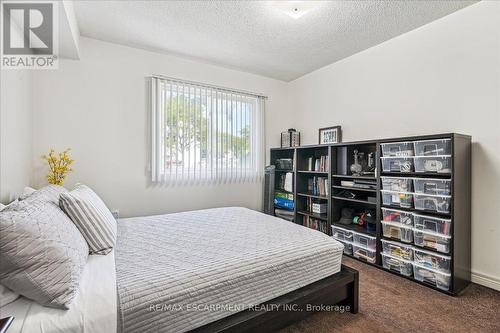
91,217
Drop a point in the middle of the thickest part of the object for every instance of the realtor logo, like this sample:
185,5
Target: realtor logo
29,35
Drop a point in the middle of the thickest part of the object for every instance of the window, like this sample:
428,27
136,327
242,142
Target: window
203,133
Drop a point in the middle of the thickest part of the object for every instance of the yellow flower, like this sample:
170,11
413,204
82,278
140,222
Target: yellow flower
59,166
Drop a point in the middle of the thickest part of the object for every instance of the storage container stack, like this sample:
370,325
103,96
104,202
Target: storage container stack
416,223
357,244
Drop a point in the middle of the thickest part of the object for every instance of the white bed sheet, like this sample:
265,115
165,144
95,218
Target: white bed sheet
223,260
94,309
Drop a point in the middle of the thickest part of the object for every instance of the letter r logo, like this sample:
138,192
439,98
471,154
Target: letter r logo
28,28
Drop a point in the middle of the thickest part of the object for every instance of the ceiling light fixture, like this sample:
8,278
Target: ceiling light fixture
295,9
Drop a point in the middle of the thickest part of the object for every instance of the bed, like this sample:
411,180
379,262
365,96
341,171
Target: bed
215,270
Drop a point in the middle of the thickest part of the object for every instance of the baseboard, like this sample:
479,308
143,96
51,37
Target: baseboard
485,280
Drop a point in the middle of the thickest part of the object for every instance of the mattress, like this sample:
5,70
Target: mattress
92,311
180,271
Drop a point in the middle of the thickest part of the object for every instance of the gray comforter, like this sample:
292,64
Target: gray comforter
177,272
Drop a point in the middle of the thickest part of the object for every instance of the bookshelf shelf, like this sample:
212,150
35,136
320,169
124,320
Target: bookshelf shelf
312,196
355,188
354,200
280,190
337,159
323,217
313,172
355,177
283,170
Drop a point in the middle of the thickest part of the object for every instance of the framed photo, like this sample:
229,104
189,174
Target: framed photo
329,135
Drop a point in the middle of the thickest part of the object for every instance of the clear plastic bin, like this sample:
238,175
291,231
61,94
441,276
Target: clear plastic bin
347,247
432,203
432,224
400,184
398,250
341,234
401,266
399,199
433,164
364,253
433,147
438,279
364,240
432,240
398,216
397,231
432,260
397,164
432,186
397,149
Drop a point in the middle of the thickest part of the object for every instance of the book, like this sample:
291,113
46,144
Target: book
284,212
288,186
309,164
318,186
347,183
315,224
284,195
321,164
284,203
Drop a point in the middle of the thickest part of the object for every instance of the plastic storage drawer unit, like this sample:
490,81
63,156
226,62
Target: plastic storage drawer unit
341,234
397,149
403,267
398,250
398,216
432,203
397,184
438,279
399,199
433,147
397,164
397,231
433,164
365,241
347,247
432,240
432,260
432,186
364,253
432,224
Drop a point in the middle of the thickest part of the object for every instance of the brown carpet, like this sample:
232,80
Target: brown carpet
389,303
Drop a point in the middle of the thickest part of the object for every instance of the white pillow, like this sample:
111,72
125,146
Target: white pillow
7,296
91,216
26,192
2,206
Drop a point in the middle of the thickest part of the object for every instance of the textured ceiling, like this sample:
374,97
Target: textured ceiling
254,36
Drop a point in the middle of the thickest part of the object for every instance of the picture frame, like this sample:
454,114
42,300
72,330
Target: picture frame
328,135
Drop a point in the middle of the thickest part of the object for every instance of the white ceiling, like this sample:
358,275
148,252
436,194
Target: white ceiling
254,36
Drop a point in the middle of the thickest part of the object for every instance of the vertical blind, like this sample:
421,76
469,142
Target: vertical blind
205,134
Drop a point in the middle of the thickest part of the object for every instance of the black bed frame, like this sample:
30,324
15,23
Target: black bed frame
340,289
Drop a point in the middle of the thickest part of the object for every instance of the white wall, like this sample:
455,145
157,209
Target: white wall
443,77
16,132
98,107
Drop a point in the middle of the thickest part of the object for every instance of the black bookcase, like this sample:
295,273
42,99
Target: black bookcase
340,158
